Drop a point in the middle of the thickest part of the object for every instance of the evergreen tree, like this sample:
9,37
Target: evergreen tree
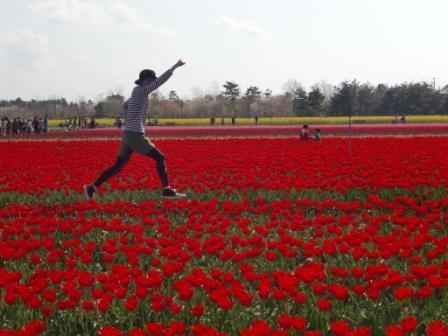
231,93
315,100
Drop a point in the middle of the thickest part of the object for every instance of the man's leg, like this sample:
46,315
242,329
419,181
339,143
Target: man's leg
91,189
158,156
167,191
115,169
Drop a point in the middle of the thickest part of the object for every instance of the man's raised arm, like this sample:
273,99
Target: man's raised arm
147,89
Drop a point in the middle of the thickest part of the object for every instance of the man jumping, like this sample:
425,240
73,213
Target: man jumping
136,108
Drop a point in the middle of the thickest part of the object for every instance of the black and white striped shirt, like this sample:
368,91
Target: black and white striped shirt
136,107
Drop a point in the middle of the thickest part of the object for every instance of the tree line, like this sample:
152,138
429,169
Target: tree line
55,108
322,99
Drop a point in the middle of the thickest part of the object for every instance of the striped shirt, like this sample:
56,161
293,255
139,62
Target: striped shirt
136,107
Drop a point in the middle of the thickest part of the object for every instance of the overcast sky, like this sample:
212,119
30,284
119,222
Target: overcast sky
73,48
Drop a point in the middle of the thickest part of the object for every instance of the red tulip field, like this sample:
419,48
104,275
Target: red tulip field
343,236
253,131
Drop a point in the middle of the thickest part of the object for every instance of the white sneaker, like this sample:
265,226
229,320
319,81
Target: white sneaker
172,193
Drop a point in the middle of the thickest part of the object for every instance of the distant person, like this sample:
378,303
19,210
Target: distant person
233,120
8,127
41,125
15,126
222,120
134,140
29,126
22,126
212,121
3,127
403,120
35,125
304,133
316,134
256,120
45,124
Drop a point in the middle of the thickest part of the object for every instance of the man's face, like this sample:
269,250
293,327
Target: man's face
147,81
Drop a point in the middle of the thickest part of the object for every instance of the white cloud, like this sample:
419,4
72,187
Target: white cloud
67,10
25,62
239,26
113,15
129,19
23,50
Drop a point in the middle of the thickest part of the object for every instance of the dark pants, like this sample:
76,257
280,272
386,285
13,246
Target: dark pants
121,162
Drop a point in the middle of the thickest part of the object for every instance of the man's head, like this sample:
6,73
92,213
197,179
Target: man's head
146,76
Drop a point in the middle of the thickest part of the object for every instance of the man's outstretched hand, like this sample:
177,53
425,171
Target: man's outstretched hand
179,63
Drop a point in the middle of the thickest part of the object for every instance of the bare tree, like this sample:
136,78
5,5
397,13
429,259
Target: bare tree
291,86
328,90
197,92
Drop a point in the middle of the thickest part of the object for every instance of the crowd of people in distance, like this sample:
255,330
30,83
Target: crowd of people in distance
119,122
73,124
37,125
232,120
397,120
19,126
40,126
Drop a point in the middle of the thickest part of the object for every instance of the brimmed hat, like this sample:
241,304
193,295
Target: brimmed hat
144,74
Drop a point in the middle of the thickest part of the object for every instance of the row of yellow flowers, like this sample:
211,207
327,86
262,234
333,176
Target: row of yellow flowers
278,120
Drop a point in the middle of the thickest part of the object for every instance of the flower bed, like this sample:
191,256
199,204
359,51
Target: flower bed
252,131
277,237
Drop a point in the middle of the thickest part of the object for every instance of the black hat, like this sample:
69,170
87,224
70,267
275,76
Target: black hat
144,74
